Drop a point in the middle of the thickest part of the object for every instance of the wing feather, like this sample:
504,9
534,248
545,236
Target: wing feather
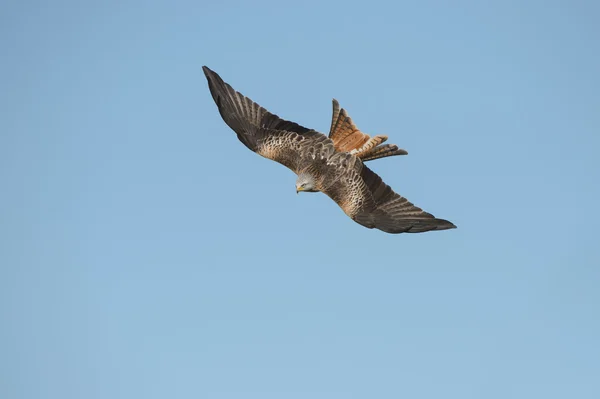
265,133
364,197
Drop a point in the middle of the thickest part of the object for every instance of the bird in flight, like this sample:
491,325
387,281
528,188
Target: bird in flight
333,165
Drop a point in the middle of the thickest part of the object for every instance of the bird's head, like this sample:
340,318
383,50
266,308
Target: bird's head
305,182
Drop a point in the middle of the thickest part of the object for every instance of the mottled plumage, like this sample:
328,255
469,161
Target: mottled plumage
331,164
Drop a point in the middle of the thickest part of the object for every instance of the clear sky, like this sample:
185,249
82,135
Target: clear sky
146,253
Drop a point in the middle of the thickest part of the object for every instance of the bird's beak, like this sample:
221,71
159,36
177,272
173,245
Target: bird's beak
298,189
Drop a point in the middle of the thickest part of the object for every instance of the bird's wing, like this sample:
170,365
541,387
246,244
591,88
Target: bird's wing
347,137
265,133
364,197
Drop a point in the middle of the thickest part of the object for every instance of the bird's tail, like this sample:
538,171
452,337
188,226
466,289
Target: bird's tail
347,137
381,151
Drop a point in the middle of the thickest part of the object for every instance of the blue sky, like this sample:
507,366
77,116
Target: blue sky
145,252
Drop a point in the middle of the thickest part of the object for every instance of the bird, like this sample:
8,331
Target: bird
333,164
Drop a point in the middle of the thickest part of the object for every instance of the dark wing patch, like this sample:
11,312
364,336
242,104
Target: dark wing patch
263,132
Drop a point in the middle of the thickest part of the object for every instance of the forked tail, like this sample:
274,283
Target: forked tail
347,138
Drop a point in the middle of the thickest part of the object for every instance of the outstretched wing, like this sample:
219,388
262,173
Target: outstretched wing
347,138
263,132
369,201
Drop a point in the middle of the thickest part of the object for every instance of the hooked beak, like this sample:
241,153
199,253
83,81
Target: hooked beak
298,189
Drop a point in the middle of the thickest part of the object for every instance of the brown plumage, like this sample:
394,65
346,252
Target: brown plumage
331,165
347,138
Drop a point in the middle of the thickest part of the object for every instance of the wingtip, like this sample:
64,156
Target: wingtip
207,71
446,225
212,77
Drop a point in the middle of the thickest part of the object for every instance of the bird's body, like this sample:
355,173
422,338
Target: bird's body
332,165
